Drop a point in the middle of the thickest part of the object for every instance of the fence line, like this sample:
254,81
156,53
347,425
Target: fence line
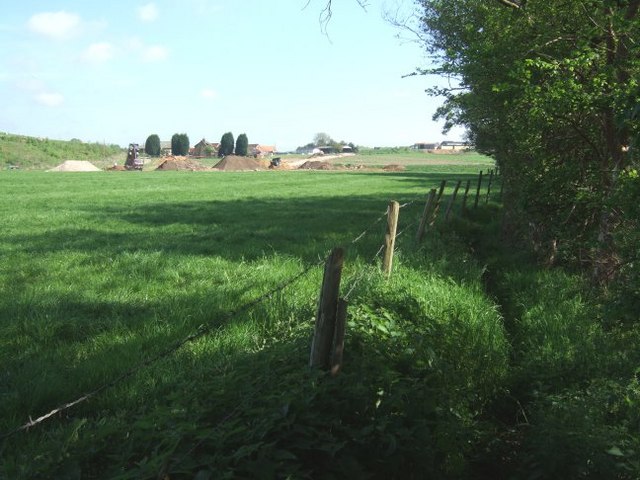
205,329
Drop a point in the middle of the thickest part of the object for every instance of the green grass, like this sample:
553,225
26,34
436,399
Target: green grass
102,270
30,153
469,362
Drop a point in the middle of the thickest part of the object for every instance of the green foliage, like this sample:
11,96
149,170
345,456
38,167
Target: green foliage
152,145
322,139
556,106
30,153
625,292
226,145
180,144
242,145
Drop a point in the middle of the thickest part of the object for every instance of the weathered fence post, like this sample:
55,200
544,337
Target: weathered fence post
475,205
425,215
489,186
436,209
390,237
464,199
451,202
324,333
338,340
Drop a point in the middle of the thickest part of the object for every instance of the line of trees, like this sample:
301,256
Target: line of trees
551,91
180,145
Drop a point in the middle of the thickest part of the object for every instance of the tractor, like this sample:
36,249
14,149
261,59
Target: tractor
133,162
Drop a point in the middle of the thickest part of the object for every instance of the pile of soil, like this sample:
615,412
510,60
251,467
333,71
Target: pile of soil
316,165
75,166
180,163
234,163
117,168
394,168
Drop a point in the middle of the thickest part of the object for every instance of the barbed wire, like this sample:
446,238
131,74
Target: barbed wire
205,329
202,330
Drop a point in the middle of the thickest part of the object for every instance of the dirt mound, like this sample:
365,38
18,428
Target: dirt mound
316,165
394,168
180,163
232,163
117,168
75,166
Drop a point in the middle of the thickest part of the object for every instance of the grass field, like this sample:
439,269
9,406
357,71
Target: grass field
102,271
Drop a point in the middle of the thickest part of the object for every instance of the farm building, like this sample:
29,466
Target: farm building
453,145
424,146
258,150
205,149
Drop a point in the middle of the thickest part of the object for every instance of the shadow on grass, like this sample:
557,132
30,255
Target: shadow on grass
248,228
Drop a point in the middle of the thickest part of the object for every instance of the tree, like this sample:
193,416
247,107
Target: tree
152,145
549,89
322,139
226,145
242,145
180,144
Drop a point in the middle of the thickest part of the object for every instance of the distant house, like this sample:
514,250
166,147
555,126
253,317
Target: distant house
453,145
205,149
258,150
165,148
424,146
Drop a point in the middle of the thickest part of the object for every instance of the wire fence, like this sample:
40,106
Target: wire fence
215,324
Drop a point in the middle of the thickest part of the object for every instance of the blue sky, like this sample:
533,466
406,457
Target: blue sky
119,71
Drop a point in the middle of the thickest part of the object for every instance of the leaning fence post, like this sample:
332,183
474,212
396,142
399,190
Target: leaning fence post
489,186
475,205
390,237
425,215
325,327
338,340
452,200
464,199
436,209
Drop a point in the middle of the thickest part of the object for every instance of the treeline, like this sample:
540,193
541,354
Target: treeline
180,145
551,91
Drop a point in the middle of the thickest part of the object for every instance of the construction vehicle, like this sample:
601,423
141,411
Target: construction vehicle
133,161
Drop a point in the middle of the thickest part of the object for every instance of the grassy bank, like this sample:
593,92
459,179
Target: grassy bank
30,153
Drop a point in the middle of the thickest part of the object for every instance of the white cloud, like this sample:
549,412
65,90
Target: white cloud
148,12
98,53
154,53
209,94
50,99
57,25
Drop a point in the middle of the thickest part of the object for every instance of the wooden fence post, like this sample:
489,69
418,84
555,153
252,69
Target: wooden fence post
451,202
464,199
436,209
390,237
501,188
475,205
338,341
489,186
425,215
324,333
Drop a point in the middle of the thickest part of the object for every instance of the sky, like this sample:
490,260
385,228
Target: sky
119,71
